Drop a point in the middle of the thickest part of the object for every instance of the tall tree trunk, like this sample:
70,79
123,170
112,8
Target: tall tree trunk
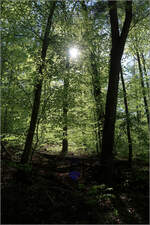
96,134
95,83
143,87
127,117
118,43
138,113
26,156
65,111
145,73
98,99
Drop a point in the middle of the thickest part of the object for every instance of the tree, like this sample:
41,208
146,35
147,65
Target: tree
118,43
98,99
143,87
65,110
97,94
145,71
38,88
127,117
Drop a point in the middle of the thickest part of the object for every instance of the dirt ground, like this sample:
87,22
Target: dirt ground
66,190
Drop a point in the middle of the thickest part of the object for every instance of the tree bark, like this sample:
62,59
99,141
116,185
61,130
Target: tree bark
26,156
118,43
143,87
127,117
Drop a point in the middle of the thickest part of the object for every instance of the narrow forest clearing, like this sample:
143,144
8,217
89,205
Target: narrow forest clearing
66,189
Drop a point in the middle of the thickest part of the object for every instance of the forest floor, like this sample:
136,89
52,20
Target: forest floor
66,190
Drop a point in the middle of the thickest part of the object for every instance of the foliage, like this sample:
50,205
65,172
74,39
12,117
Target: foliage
22,26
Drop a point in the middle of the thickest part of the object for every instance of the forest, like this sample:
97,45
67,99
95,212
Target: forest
75,111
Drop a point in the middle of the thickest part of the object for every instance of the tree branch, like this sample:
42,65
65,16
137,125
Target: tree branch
113,20
127,21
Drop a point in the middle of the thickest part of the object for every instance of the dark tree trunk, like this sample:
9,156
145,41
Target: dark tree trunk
26,156
118,43
143,87
65,111
127,117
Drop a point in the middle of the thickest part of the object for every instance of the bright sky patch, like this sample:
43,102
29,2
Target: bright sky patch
73,52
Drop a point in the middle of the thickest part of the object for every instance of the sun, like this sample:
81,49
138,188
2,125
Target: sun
73,52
